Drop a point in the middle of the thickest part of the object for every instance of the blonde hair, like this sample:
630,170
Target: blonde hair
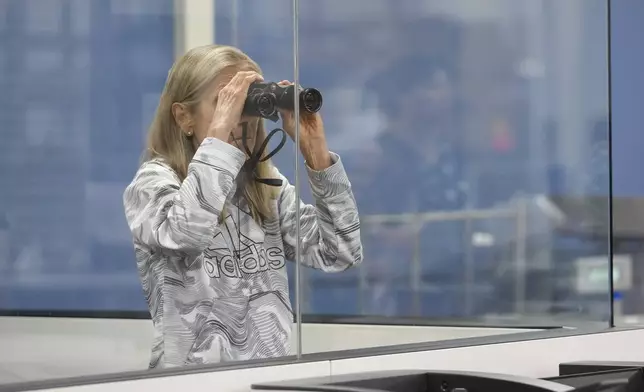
187,80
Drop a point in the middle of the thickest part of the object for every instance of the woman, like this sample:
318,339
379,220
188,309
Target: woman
211,237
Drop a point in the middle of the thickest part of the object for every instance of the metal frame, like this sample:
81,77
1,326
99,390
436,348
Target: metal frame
517,211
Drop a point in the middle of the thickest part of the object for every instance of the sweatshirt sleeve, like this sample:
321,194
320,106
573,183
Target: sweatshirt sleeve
164,213
330,229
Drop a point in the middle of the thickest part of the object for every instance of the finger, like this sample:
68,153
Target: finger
237,77
248,74
284,83
243,74
251,78
232,86
241,77
255,77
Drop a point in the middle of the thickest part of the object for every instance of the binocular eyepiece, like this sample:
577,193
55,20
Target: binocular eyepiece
264,99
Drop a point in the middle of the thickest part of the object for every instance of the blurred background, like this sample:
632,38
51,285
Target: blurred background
475,133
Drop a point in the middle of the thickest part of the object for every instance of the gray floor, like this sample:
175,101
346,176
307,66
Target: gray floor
7,377
36,372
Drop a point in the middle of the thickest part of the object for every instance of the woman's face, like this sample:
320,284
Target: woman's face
203,115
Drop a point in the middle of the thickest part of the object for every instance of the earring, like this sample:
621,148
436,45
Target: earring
189,133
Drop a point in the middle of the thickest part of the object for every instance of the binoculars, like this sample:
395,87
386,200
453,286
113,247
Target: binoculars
264,100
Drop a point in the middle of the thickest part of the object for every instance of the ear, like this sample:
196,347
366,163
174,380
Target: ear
183,118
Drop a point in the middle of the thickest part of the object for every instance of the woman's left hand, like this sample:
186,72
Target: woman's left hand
312,139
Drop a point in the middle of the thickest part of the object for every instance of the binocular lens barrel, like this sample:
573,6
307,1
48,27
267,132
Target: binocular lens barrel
311,100
265,98
265,105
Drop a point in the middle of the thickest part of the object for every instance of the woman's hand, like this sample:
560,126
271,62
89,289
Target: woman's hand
230,104
312,139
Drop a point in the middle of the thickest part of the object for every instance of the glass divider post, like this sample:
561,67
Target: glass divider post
298,266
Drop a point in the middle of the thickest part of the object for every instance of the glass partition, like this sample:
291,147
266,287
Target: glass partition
81,81
467,186
474,134
627,57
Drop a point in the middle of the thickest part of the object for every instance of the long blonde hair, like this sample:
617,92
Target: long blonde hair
187,80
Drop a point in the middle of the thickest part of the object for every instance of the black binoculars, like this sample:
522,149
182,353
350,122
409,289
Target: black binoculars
264,100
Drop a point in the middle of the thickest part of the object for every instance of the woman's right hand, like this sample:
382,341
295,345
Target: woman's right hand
230,104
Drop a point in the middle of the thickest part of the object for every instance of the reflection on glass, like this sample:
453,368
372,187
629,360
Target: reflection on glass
84,98
472,134
77,80
628,184
475,138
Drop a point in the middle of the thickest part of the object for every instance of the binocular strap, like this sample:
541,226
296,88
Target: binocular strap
255,157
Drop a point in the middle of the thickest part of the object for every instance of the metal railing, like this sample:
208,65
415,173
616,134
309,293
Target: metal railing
415,222
517,211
